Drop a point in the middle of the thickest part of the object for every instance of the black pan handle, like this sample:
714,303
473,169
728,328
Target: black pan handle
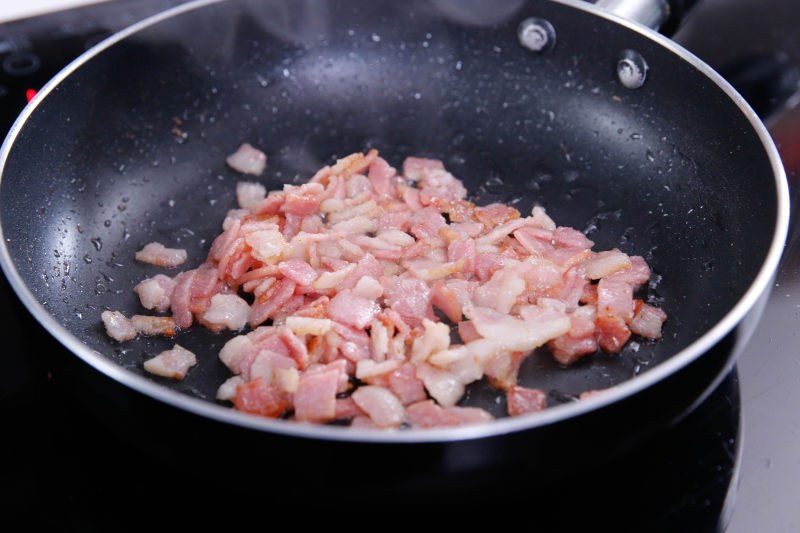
678,9
664,15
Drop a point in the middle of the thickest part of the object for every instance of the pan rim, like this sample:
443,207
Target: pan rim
552,415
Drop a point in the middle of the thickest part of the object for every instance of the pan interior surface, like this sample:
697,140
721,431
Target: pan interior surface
130,148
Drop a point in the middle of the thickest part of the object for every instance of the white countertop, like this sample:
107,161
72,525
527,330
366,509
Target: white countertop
14,9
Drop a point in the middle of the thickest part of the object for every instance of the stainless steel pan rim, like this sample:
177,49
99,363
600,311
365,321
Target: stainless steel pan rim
551,415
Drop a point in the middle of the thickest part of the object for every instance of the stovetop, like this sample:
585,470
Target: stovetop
732,463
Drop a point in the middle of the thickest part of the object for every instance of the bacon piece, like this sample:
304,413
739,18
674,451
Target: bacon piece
444,387
445,299
440,183
354,163
156,253
384,408
352,343
266,246
351,309
414,167
572,238
636,275
226,311
496,214
271,205
369,370
502,369
250,194
118,326
605,263
514,334
381,176
247,160
302,200
315,398
297,348
154,325
174,363
180,302
259,398
227,391
279,370
462,249
471,415
426,223
613,333
271,302
298,271
521,400
410,298
302,325
648,321
427,414
347,409
615,298
155,292
536,240
406,385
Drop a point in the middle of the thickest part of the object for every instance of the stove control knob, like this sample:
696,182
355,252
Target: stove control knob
21,63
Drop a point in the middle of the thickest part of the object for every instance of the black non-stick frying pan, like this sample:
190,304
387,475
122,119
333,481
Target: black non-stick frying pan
610,126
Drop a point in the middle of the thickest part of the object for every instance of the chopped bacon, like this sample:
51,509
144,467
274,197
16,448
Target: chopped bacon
247,160
428,414
259,398
613,333
174,363
406,385
471,415
344,280
298,271
522,400
496,214
226,311
315,398
615,298
605,263
302,200
156,292
180,302
351,309
410,297
381,175
381,405
118,326
154,325
249,194
271,302
156,253
648,321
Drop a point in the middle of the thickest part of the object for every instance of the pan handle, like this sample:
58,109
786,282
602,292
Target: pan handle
663,15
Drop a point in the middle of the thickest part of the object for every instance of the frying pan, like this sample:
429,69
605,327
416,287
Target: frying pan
127,145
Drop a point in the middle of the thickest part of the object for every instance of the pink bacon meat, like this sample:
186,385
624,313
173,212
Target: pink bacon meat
341,281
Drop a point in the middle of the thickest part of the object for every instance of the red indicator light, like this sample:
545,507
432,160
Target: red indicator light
29,94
